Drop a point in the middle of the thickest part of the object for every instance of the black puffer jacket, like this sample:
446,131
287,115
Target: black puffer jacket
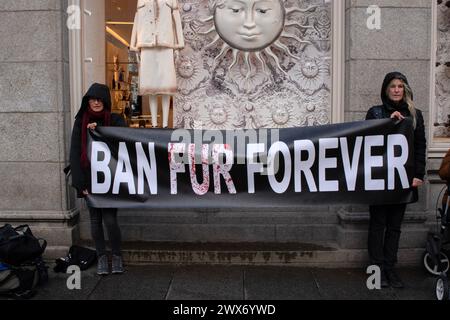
388,107
80,178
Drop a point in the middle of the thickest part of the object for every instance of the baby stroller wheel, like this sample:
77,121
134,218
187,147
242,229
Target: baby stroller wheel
442,289
435,268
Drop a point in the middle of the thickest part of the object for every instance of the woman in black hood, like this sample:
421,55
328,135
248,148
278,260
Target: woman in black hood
386,220
95,111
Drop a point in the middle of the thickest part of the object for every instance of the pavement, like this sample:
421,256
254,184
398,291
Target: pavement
216,282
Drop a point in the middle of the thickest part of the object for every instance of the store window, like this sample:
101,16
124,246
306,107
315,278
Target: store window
122,72
252,64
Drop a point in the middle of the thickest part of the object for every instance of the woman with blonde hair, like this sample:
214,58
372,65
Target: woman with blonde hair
386,220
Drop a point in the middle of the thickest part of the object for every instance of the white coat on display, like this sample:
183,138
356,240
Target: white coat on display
157,23
157,32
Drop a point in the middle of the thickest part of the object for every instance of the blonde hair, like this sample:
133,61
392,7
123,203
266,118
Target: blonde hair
408,98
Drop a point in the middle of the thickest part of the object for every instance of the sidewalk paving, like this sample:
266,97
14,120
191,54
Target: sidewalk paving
200,282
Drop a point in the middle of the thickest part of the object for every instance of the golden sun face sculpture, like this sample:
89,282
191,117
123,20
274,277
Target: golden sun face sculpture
252,27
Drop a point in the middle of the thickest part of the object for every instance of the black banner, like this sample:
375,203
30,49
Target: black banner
367,162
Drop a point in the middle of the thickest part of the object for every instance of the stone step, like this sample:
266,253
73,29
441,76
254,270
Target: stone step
222,233
261,254
230,226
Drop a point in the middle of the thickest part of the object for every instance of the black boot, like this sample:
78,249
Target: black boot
394,279
384,280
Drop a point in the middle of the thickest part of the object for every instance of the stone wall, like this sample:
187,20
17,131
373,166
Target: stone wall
35,120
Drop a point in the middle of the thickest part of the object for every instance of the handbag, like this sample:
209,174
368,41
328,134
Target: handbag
19,245
78,256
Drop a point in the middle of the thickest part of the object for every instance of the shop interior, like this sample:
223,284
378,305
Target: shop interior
122,71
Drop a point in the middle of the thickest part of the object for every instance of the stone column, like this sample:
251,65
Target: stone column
402,44
35,121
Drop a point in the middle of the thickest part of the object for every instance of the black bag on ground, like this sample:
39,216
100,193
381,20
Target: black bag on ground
19,245
19,282
78,256
41,270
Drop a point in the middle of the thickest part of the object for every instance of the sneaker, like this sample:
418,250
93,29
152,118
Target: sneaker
102,265
394,279
117,264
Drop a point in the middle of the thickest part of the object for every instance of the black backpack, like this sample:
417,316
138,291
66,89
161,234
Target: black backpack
19,245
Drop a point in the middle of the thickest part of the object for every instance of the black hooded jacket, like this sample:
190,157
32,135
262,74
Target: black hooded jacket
388,107
81,178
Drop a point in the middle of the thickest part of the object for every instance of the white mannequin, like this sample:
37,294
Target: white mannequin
153,104
157,33
154,110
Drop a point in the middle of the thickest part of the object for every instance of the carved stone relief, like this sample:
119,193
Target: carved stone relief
254,64
442,121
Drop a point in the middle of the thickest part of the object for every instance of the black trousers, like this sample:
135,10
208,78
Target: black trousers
109,216
384,234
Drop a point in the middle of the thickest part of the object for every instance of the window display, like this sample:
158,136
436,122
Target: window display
157,32
227,64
